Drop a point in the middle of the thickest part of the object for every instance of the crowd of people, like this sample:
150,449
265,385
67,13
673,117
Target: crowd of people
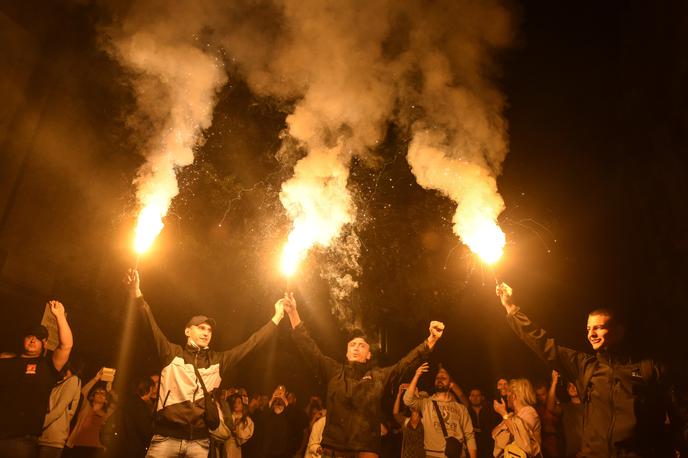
597,404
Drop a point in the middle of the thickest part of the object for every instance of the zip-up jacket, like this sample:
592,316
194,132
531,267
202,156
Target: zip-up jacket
624,401
180,410
354,394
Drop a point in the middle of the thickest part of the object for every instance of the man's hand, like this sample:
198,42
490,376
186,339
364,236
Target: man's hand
403,386
436,330
555,377
423,368
289,303
279,311
133,283
57,309
499,407
505,294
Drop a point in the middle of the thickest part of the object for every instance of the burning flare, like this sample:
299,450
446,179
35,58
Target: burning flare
484,238
318,203
148,227
471,185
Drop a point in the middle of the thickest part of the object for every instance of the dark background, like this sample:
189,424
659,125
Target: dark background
595,186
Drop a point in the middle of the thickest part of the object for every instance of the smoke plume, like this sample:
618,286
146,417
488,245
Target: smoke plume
175,81
343,71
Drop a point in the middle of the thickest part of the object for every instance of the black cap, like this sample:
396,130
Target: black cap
200,319
40,331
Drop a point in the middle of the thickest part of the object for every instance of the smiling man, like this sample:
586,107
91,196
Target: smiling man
354,388
625,402
180,413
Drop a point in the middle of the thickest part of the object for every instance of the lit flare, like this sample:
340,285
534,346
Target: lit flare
148,227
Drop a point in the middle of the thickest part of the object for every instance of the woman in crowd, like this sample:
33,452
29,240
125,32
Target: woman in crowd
520,430
84,441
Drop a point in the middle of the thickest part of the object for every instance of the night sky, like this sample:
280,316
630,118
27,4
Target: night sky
595,186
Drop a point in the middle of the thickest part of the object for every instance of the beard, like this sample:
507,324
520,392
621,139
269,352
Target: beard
441,388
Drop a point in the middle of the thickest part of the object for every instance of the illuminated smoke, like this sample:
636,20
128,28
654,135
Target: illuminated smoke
460,140
346,69
175,82
343,71
327,58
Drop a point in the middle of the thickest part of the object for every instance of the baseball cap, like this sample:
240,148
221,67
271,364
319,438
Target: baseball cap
200,319
40,331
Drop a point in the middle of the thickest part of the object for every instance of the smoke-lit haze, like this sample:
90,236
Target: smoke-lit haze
175,82
343,71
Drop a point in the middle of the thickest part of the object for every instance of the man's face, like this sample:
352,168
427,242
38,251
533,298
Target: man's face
154,387
599,334
442,380
541,394
502,386
99,396
358,350
200,335
475,398
33,346
571,390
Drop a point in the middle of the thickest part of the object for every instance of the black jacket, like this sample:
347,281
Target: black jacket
354,393
625,402
180,410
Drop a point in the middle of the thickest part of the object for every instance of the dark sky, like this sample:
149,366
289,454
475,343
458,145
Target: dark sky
595,186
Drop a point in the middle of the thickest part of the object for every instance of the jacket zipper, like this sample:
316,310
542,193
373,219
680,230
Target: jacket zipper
612,388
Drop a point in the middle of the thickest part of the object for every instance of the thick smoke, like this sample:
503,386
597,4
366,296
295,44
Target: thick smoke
175,81
343,70
352,67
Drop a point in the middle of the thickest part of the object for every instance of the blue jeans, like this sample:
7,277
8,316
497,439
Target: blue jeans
170,447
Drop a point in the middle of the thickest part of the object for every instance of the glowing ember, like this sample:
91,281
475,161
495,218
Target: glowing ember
485,239
148,227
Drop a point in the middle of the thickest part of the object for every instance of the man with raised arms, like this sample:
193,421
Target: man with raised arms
624,400
354,388
181,426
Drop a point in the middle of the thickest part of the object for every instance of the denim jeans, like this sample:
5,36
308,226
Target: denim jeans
170,447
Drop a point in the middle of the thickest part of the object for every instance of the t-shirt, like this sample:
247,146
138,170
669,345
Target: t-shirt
25,385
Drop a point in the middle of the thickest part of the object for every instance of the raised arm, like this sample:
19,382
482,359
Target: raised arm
165,347
64,336
554,355
418,354
236,354
411,399
458,392
91,383
324,365
396,410
551,402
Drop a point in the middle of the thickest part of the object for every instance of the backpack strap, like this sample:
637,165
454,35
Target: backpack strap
439,416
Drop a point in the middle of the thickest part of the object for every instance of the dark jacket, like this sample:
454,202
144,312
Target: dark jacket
354,393
180,410
624,401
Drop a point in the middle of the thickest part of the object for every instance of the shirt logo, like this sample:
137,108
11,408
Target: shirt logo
31,369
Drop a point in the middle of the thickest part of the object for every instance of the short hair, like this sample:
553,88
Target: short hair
609,313
522,389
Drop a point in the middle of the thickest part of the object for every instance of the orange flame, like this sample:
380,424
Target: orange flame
148,227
